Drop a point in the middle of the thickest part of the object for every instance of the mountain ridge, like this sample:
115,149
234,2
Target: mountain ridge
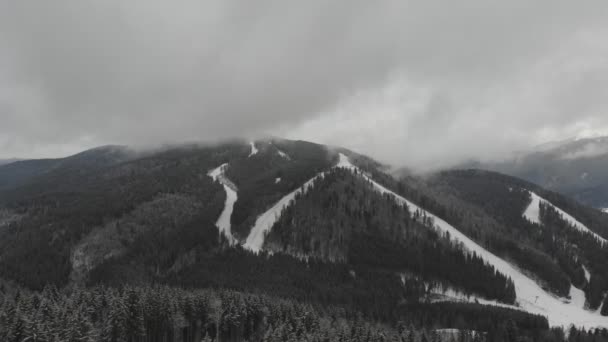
172,201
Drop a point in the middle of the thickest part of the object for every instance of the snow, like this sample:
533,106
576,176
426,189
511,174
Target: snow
451,334
604,210
452,295
587,274
277,180
530,296
283,154
254,150
532,213
601,306
223,222
215,173
264,222
577,297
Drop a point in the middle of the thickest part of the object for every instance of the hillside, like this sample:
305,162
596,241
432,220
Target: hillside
574,167
304,222
8,161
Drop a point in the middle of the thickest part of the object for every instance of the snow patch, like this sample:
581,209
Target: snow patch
215,173
601,305
530,296
532,213
449,294
577,297
587,273
452,334
277,180
254,150
283,154
223,222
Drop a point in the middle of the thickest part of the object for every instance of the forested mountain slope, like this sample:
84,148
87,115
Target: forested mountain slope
337,231
550,246
8,161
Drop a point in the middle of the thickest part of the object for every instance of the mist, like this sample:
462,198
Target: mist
423,84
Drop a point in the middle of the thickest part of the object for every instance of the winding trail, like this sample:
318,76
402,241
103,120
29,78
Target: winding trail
223,222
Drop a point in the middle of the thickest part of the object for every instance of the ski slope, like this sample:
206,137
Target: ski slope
587,274
283,154
532,213
254,150
530,296
263,224
223,222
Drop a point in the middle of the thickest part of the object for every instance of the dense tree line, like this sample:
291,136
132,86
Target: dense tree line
167,314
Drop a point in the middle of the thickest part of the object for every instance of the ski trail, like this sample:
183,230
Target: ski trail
532,213
254,150
283,154
263,224
223,222
587,273
530,296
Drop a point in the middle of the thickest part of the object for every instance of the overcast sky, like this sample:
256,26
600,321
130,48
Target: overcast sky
417,83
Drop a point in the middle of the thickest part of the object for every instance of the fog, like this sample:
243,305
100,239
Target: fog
424,84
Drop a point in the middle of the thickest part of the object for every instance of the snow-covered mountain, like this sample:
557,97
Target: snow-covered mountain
245,214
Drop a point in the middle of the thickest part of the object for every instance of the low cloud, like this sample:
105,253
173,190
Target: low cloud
589,150
418,83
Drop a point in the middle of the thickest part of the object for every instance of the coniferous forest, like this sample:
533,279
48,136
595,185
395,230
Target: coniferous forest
113,246
170,314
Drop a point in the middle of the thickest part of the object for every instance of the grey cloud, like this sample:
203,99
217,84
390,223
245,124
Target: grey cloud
467,79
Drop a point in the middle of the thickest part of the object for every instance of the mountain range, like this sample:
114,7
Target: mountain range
303,223
573,167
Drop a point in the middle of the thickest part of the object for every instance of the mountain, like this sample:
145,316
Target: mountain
8,161
573,167
83,164
248,240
